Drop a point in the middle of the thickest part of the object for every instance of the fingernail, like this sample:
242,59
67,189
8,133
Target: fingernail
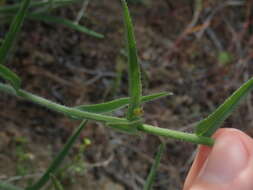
227,159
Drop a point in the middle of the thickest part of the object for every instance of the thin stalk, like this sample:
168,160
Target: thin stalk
13,8
58,159
57,20
151,176
81,12
176,135
72,112
15,28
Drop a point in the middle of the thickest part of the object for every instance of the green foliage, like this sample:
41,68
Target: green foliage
41,11
133,122
58,159
9,42
151,176
134,73
125,127
75,165
14,30
68,23
12,9
118,103
209,125
10,76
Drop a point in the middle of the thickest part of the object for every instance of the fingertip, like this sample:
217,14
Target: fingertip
227,142
245,139
200,158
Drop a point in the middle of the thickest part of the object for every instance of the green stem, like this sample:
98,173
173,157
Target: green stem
176,135
58,159
72,112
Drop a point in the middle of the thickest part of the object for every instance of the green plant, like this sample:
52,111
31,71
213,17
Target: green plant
75,166
42,11
152,173
132,123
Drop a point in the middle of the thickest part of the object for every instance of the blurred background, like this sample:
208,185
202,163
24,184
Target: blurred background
200,50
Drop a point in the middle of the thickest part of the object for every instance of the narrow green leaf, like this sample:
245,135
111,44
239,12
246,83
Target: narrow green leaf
7,186
10,76
151,176
58,160
119,103
36,4
134,73
68,23
154,130
209,125
14,30
125,127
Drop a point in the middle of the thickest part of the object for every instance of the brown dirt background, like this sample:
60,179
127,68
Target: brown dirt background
73,68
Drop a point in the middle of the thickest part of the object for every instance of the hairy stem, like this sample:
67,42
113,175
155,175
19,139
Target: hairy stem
176,135
72,112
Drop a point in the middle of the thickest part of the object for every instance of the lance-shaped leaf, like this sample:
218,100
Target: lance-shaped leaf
10,76
134,73
58,159
13,31
209,125
125,127
151,176
68,23
7,186
118,103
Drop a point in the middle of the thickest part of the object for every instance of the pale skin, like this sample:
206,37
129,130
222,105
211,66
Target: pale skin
228,165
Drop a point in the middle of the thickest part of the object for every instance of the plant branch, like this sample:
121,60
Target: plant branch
72,112
176,135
